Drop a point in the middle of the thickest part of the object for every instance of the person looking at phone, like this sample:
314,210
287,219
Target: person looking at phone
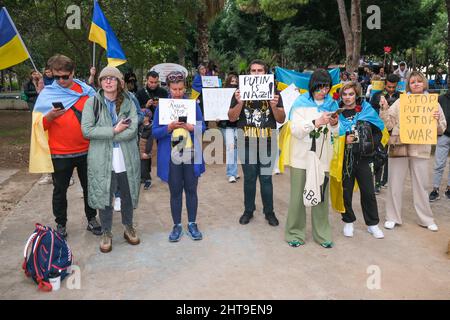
68,147
312,120
180,160
110,122
149,96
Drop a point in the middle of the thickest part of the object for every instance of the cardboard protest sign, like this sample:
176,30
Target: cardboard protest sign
260,87
210,82
171,109
289,95
417,124
377,85
216,103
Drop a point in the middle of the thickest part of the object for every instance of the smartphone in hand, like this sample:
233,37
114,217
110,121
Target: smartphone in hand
58,105
182,119
337,112
126,121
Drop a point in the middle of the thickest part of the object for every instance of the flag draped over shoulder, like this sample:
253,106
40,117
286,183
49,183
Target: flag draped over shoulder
102,33
12,48
40,158
286,77
303,101
367,114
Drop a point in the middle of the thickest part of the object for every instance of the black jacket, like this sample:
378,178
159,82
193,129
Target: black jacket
30,91
444,101
145,94
375,101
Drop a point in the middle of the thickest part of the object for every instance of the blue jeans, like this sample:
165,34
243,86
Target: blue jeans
230,136
441,156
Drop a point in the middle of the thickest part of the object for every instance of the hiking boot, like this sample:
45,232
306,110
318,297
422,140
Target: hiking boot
94,227
62,230
272,219
176,233
193,231
245,218
434,195
147,184
131,236
106,242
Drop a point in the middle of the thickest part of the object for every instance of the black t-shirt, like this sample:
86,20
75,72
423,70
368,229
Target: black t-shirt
376,132
145,94
256,118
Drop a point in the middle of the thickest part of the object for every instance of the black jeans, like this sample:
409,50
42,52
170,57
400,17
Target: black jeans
254,167
359,169
63,170
381,175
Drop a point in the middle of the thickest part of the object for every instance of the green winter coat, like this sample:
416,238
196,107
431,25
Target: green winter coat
99,159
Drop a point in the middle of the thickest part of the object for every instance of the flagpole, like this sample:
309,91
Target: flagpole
93,54
20,38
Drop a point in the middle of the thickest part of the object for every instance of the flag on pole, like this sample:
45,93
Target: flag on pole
12,48
102,33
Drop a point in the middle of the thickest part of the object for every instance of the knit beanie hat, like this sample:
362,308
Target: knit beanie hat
110,72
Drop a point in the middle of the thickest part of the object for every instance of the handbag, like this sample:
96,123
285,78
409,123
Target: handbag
396,148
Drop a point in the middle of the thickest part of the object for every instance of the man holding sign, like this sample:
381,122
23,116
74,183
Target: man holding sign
415,120
257,109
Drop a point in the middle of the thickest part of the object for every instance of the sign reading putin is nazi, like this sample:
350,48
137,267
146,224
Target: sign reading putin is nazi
417,123
260,87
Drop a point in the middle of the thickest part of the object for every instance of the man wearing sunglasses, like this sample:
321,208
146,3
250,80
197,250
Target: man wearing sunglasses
258,121
68,147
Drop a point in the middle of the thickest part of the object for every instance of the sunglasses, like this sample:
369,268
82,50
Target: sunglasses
66,77
175,76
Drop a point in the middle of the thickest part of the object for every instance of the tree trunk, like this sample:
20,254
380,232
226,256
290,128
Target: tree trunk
352,33
203,38
182,54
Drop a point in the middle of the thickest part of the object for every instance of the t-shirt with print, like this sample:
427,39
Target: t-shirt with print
256,118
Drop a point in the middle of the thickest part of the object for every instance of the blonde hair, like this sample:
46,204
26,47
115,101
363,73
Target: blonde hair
416,74
352,85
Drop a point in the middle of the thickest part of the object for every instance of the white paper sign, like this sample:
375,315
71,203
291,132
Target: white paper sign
289,95
171,109
216,103
163,69
261,87
210,82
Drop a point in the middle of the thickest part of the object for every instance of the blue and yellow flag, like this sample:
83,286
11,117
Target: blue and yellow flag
102,33
337,162
286,77
12,48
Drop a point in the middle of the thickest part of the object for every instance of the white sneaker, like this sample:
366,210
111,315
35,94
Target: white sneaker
117,204
45,179
71,182
389,225
376,232
276,171
231,179
433,227
348,230
237,177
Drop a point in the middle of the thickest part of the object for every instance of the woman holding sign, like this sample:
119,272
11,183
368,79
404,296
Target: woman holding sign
409,156
180,160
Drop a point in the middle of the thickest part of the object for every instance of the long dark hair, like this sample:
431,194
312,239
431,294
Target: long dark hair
318,79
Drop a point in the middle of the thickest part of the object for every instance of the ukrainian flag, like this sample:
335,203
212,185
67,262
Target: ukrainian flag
102,33
12,48
286,77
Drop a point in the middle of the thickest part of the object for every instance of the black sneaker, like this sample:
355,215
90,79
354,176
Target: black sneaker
272,219
147,184
245,218
434,195
61,230
447,194
94,227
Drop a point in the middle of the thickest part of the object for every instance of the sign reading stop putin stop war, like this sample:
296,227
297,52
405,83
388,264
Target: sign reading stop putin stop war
417,123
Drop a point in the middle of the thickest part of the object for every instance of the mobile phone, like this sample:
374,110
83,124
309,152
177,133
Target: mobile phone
182,119
338,112
58,105
126,121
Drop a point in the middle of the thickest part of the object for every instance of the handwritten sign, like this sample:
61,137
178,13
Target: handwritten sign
289,95
210,82
417,124
377,85
259,87
216,103
171,109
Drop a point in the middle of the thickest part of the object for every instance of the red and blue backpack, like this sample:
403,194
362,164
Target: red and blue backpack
49,254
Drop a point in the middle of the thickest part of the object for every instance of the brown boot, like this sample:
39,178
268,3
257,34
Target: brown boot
130,235
106,242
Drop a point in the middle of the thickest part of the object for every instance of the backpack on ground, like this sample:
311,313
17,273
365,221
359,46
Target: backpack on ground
46,252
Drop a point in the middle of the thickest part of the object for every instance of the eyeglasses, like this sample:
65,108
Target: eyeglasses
175,76
109,79
65,77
